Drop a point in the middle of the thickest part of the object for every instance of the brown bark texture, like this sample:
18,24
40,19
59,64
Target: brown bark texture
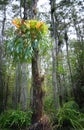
42,124
37,104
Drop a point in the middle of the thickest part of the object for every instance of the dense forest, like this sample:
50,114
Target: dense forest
41,65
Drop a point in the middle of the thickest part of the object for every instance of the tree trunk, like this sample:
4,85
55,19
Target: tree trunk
6,93
1,62
1,82
36,90
25,9
17,89
37,104
54,54
21,88
68,62
24,87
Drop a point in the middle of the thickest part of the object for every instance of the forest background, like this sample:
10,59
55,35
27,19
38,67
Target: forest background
43,78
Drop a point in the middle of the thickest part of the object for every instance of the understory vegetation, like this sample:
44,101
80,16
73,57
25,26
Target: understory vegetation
15,119
41,65
68,116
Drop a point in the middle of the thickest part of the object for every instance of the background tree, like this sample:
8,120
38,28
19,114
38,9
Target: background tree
59,57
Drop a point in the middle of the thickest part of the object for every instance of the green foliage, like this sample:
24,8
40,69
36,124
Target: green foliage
15,119
61,69
49,105
69,115
77,64
28,36
50,110
15,49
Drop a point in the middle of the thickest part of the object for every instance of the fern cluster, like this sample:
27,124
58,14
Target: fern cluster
69,115
15,119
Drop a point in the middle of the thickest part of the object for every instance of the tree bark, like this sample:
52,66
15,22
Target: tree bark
37,104
25,9
37,93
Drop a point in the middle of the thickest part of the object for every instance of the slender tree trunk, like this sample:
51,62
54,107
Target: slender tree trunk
25,9
68,62
17,89
6,92
1,77
64,85
54,54
1,62
24,81
24,87
20,9
60,91
1,82
21,85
